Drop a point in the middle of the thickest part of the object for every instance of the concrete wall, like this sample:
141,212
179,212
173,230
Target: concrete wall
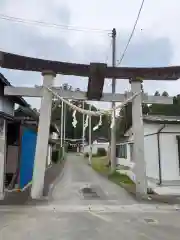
168,151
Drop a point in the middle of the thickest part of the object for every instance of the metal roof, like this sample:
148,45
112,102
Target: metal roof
34,116
161,119
16,99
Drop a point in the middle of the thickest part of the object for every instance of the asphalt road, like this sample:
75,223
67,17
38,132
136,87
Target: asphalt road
84,205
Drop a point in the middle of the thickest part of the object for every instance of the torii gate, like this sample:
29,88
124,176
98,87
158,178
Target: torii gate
96,72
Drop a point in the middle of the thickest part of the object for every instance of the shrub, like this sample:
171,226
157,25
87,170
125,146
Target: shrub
86,155
94,155
101,152
55,156
61,151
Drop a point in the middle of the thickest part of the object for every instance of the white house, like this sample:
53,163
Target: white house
95,147
96,144
6,115
162,151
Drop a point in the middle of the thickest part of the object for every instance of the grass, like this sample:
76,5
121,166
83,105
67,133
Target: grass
119,178
99,164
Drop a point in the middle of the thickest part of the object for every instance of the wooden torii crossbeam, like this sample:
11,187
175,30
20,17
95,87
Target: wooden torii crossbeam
82,96
14,61
49,70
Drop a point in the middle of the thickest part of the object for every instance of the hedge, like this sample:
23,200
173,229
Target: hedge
58,154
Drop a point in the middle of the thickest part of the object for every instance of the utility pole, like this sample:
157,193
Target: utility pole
64,130
90,138
113,129
62,114
64,123
83,130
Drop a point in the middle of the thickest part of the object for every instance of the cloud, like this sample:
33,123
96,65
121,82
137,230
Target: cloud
145,49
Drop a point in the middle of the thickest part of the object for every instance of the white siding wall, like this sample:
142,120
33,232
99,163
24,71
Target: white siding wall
169,152
6,106
151,156
169,157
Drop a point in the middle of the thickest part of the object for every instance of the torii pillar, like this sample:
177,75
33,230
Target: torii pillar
43,136
138,135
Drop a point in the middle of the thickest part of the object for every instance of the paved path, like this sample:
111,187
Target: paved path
71,215
79,175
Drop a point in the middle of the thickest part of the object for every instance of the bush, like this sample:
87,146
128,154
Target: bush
86,155
94,155
101,152
55,156
66,147
61,151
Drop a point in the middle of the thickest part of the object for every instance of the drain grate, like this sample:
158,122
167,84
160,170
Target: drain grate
150,221
89,193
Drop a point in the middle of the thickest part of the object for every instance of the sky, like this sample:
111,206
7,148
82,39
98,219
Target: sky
156,41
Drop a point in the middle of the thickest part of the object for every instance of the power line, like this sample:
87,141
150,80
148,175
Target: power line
54,25
132,33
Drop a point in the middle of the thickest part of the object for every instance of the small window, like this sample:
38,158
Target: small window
131,151
121,151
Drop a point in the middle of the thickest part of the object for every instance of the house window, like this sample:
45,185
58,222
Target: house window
131,151
121,151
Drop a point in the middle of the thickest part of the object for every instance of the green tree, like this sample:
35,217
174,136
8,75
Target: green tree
165,94
157,93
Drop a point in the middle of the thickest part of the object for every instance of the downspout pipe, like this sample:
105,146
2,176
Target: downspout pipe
159,153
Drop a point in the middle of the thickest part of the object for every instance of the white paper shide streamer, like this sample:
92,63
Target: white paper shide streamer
88,113
113,119
86,122
93,113
74,123
99,124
